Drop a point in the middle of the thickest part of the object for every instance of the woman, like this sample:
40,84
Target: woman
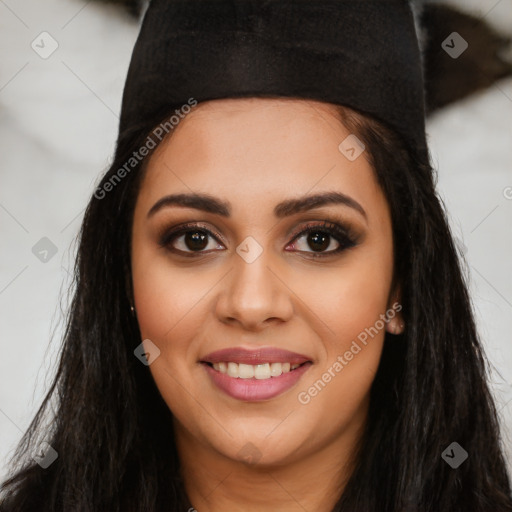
269,309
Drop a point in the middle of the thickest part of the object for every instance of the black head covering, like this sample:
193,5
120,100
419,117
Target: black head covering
363,54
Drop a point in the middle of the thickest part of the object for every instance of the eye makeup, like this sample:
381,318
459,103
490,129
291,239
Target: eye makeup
342,233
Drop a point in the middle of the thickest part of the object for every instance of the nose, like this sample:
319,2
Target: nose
255,294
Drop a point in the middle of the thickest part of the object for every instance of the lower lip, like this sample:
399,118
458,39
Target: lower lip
254,390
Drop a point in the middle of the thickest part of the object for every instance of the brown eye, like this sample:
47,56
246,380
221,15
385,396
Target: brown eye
195,240
319,240
324,239
189,240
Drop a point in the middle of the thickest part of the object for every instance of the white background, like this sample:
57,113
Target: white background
58,125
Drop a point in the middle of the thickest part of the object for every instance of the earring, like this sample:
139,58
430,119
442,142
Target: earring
398,328
132,309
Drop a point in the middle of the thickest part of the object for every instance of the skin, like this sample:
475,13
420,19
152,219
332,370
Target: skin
255,153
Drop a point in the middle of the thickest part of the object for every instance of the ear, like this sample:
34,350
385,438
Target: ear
395,322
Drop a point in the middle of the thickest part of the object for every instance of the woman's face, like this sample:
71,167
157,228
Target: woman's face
241,295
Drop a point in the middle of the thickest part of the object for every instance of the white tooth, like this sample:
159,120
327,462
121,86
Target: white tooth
233,370
259,371
275,369
216,366
262,371
246,371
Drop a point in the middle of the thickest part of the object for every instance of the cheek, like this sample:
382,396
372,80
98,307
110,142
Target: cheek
351,297
166,299
349,303
168,303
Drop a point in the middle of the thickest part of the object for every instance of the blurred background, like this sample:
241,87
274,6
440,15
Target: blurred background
62,69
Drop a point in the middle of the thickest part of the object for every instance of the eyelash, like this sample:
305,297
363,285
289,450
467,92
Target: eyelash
342,234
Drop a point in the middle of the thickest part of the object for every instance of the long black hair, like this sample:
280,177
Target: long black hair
113,432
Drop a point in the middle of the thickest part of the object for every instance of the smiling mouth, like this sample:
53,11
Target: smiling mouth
254,371
255,382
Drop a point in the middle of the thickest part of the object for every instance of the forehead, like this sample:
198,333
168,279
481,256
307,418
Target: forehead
252,149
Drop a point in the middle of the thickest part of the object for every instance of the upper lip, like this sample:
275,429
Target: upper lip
255,356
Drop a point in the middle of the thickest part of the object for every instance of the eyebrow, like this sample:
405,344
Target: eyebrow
283,209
